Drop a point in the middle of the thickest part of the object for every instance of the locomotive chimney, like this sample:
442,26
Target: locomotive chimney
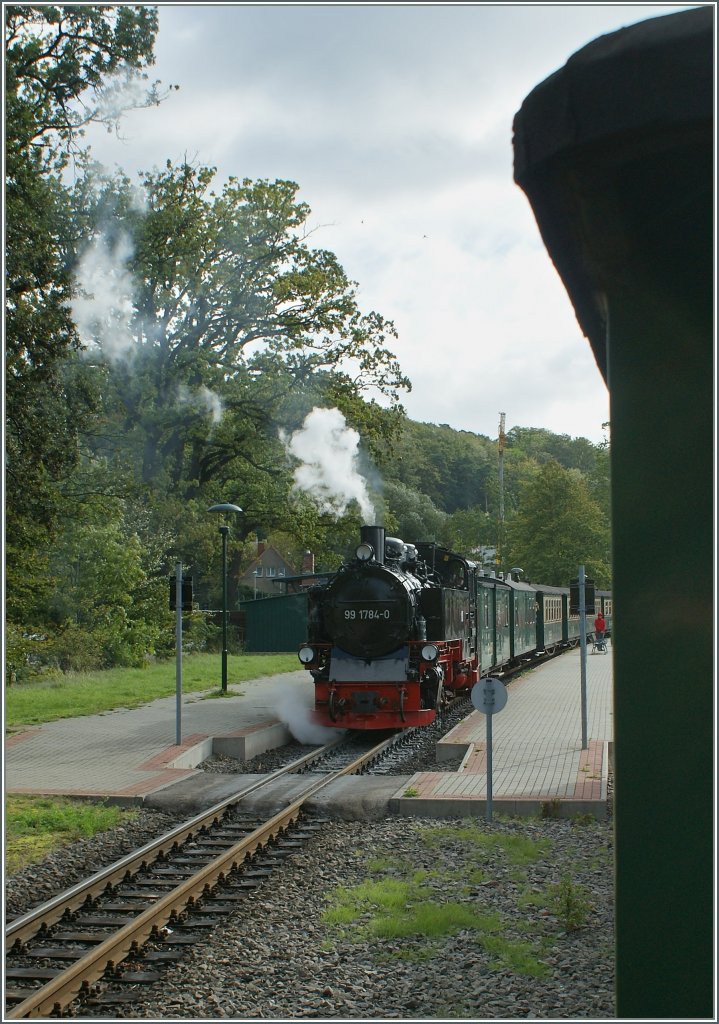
374,535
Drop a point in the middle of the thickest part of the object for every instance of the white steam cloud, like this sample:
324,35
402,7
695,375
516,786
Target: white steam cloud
104,307
293,707
202,398
327,450
121,91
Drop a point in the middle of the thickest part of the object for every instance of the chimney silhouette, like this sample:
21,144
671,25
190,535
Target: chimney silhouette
308,562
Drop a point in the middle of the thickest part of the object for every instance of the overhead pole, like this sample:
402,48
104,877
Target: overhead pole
500,538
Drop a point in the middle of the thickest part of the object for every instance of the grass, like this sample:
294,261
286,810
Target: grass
75,694
37,825
392,909
401,913
519,957
518,850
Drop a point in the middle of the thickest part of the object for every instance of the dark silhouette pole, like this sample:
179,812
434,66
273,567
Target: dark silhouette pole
224,530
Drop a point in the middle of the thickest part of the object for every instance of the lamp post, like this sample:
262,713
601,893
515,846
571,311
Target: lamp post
224,530
255,575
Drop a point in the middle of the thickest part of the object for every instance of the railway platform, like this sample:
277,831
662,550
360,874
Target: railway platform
538,763
133,757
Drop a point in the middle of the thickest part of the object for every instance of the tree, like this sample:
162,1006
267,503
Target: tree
450,466
66,66
558,527
231,322
413,515
467,530
54,58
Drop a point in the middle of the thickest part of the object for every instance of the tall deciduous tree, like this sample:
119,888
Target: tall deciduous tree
60,67
66,66
558,527
229,324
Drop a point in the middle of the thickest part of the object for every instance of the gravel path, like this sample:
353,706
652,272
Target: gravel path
505,946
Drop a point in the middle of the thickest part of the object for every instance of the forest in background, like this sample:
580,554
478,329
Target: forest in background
168,344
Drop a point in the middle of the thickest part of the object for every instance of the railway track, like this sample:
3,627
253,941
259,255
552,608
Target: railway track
145,908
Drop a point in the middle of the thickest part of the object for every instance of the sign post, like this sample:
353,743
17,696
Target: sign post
581,592
489,696
180,601
178,653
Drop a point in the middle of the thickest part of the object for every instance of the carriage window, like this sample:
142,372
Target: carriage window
553,613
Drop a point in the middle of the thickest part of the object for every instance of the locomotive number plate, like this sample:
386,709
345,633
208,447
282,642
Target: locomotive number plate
364,614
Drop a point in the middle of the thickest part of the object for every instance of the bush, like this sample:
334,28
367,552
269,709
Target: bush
571,904
26,653
200,634
75,649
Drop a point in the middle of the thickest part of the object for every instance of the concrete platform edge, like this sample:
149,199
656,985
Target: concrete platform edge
468,807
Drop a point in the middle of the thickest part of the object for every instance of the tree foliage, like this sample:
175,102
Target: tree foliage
557,528
452,467
54,58
66,66
234,326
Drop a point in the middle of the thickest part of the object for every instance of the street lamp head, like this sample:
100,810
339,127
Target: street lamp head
225,507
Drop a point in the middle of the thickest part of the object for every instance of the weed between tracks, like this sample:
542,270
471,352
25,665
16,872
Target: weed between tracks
405,912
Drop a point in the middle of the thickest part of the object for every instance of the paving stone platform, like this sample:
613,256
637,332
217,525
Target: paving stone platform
131,756
538,763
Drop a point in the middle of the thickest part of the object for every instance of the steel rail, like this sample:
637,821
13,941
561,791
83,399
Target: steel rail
76,979
26,926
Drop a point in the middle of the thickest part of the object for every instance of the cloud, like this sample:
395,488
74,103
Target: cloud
396,123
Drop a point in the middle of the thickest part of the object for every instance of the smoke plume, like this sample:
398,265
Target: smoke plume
203,399
104,306
293,707
328,452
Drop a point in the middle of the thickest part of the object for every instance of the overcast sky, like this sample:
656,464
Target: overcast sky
396,123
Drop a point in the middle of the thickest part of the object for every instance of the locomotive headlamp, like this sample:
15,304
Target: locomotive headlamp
364,553
306,655
430,652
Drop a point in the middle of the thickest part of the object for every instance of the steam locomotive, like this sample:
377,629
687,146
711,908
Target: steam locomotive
400,629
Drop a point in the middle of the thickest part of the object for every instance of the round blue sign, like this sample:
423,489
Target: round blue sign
489,695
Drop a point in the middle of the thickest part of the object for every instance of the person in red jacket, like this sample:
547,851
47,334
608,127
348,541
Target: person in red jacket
599,628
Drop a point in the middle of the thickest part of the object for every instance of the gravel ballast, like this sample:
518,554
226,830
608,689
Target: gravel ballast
521,947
